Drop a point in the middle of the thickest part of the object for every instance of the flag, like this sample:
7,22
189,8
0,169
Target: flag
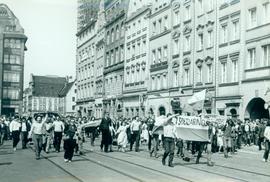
197,97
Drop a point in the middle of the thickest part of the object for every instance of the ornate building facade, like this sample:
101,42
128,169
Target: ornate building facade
158,53
136,73
114,57
12,48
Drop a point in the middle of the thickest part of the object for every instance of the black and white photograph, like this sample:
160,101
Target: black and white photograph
134,90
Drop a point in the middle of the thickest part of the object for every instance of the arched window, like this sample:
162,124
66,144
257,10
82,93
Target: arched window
112,35
122,29
117,33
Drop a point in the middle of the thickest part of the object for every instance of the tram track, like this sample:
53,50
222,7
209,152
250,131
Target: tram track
92,161
221,166
194,168
142,166
60,167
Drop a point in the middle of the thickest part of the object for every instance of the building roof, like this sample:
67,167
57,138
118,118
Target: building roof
47,86
63,92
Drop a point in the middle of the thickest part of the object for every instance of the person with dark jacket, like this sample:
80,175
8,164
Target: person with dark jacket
26,127
105,130
69,146
227,137
261,128
3,131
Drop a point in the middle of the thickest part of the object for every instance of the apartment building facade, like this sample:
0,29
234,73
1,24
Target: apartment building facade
158,53
114,57
136,74
85,69
12,48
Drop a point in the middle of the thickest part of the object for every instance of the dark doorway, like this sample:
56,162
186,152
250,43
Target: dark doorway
256,110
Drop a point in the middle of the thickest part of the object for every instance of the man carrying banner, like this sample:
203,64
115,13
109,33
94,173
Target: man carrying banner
170,135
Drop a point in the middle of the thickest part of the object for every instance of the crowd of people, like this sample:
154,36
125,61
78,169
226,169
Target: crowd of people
47,132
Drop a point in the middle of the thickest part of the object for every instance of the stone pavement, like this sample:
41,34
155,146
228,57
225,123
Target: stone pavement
95,166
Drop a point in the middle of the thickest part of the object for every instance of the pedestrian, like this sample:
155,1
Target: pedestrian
15,128
48,134
261,128
227,137
144,134
267,141
69,146
135,128
122,136
170,135
3,131
37,131
24,132
150,126
59,128
105,130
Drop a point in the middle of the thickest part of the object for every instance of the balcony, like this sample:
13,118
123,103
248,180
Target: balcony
159,66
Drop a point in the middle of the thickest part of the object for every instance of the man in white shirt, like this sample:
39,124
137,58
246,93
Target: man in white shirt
59,128
37,131
14,128
135,129
170,135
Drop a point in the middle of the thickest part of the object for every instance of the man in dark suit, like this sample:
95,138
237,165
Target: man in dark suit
105,129
24,132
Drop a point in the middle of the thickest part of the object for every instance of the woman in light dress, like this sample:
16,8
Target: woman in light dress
219,139
144,134
122,139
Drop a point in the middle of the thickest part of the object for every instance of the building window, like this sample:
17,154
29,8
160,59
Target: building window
154,28
187,43
11,93
235,30
175,47
122,29
108,37
266,55
166,25
112,58
224,72
122,53
164,82
200,45
159,55
266,12
186,77
165,53
210,38
187,13
112,35
117,55
153,56
160,26
175,79
234,71
6,43
153,83
224,34
158,82
199,74
209,73
176,18
107,59
10,76
117,33
251,58
200,7
210,5
252,17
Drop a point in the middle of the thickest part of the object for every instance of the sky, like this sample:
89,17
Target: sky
50,26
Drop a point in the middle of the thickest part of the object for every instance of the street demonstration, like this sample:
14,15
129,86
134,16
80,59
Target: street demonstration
187,137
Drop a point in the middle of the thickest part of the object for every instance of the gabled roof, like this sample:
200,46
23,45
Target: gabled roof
47,86
66,89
